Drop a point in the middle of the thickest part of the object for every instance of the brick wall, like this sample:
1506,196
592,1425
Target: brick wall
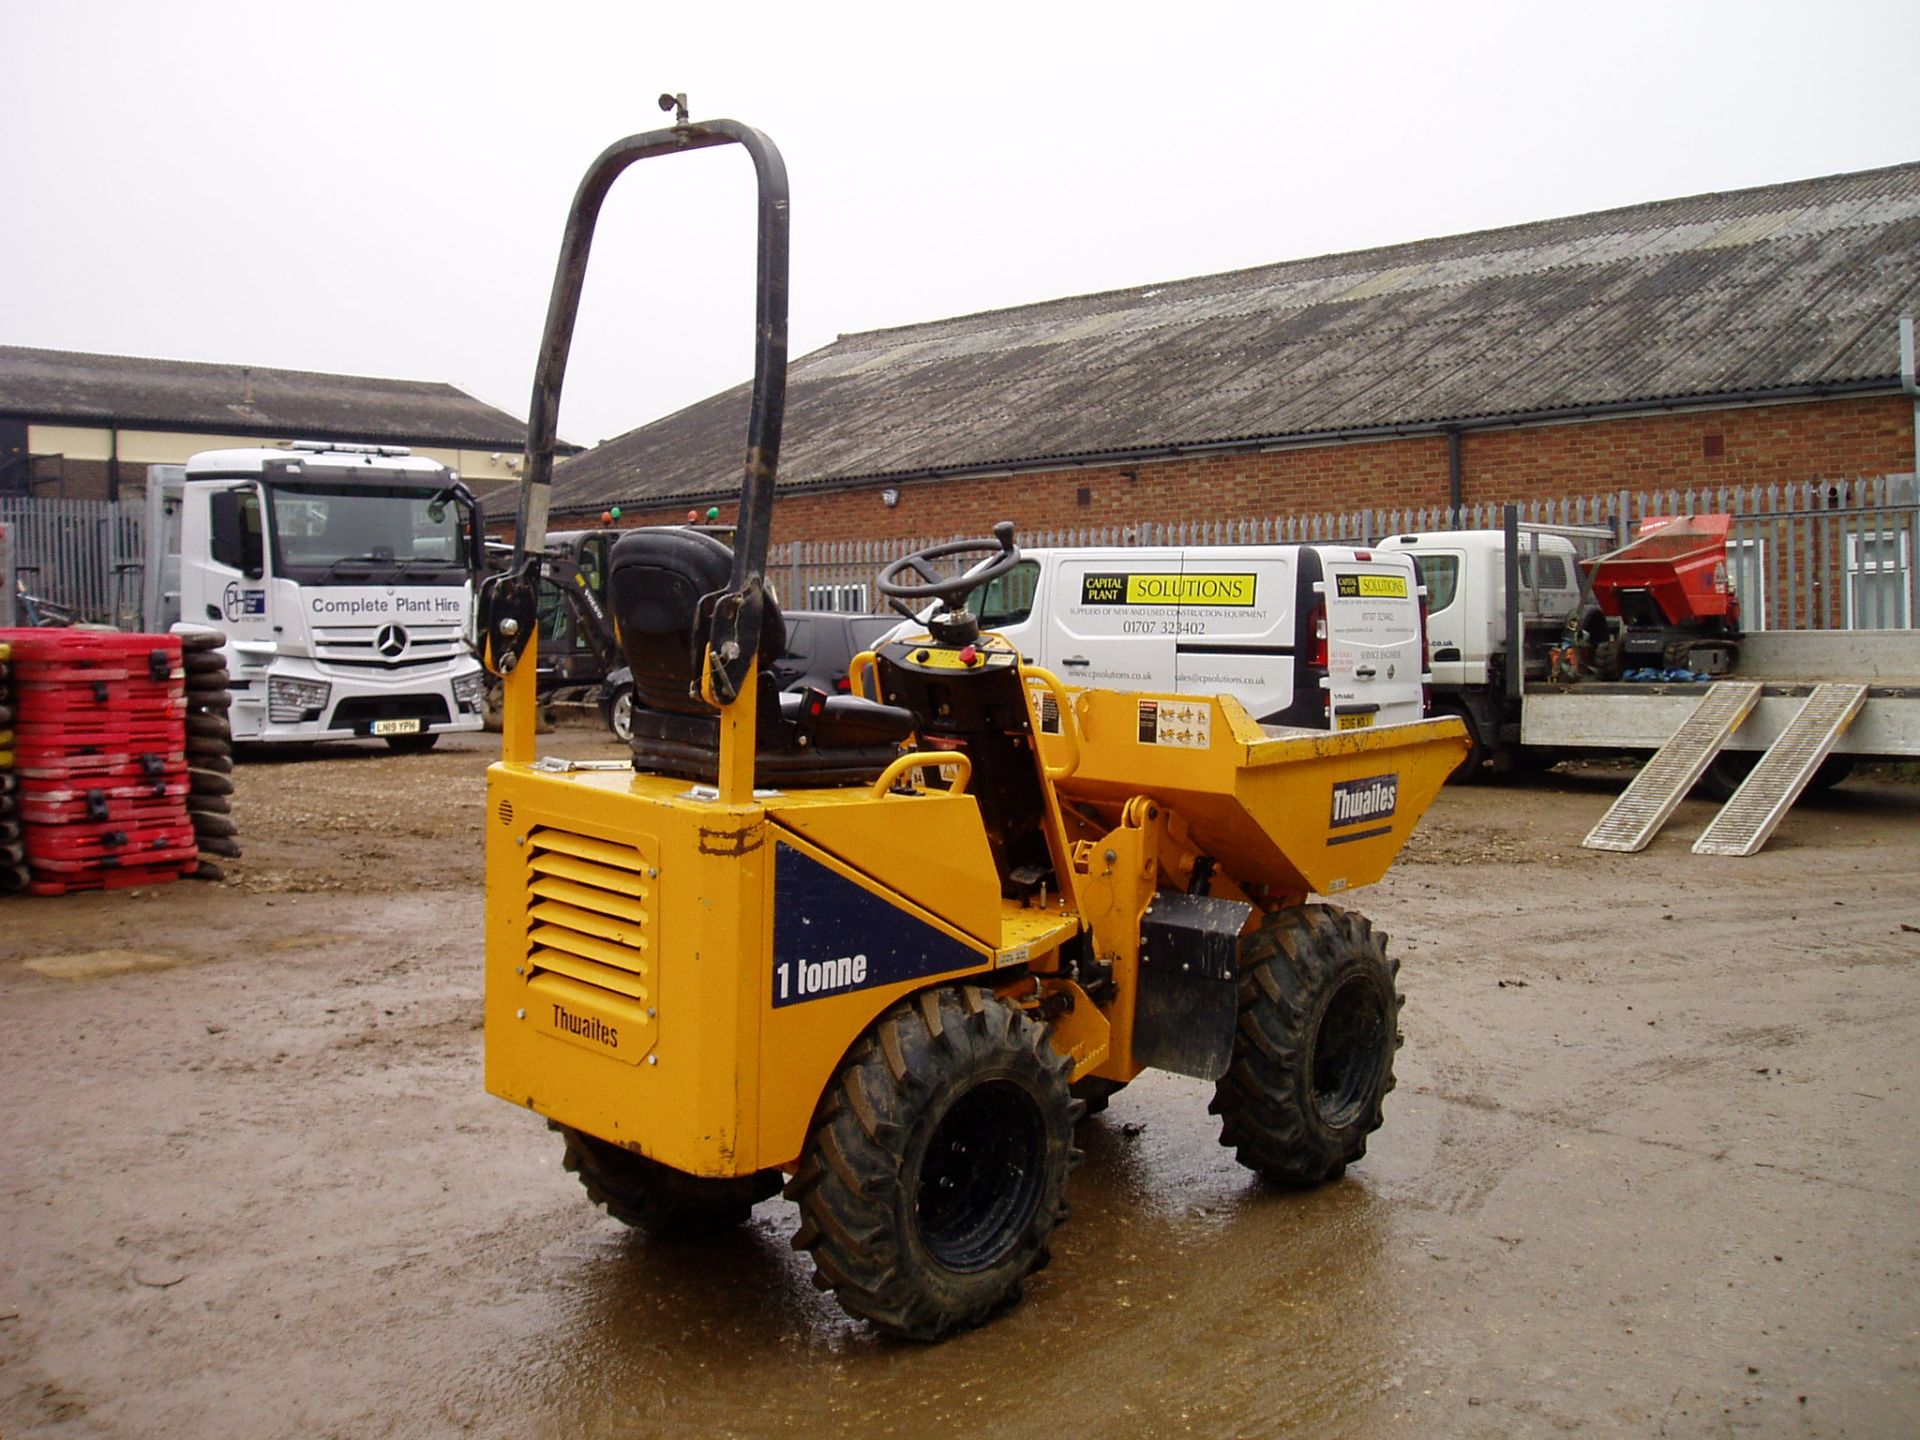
54,477
1816,440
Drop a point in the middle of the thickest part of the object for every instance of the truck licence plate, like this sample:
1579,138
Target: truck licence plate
397,727
1352,722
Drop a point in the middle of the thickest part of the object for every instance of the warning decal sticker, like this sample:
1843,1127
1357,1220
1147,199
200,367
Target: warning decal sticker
1187,724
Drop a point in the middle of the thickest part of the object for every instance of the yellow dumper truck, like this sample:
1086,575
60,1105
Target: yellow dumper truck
883,949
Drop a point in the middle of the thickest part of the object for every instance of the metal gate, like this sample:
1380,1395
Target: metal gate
82,555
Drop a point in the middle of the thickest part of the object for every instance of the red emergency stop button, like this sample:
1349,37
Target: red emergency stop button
970,656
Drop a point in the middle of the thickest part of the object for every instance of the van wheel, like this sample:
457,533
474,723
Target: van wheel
412,744
1313,1057
937,1166
657,1198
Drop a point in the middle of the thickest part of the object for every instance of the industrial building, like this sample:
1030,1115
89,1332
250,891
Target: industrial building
1741,338
76,426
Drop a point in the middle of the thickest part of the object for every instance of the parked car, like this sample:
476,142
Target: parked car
820,646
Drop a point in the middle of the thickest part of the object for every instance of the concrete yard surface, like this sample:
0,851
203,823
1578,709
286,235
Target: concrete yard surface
1651,1168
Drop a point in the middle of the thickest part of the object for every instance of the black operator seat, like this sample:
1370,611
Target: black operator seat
656,578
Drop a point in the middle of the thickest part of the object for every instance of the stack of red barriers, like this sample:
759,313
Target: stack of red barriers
13,852
100,758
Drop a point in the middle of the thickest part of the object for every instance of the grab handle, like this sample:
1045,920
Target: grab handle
914,759
1069,724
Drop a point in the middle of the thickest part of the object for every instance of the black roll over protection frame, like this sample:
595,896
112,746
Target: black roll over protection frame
728,619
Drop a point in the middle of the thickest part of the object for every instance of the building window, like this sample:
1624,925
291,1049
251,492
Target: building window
848,599
1879,580
1747,573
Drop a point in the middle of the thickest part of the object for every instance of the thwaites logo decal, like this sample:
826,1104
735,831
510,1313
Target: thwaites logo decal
1228,591
587,1027
832,937
1370,587
1363,803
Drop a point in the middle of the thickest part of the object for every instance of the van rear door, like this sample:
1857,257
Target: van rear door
1373,638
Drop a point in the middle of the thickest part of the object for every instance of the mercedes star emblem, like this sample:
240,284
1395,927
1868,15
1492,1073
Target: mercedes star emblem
390,641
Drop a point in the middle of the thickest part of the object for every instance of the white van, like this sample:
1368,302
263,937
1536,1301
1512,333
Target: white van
1318,636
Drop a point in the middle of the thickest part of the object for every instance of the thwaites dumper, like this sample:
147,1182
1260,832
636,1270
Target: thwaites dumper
886,948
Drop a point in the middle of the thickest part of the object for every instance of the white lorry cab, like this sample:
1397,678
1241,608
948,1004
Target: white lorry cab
1465,574
1468,647
342,578
1315,636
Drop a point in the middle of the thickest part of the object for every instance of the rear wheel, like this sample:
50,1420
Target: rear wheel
1313,1057
937,1166
1726,773
656,1198
1832,771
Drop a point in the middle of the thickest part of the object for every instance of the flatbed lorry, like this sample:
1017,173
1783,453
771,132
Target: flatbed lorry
1549,699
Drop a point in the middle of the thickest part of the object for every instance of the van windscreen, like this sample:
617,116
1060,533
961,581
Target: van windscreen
1007,600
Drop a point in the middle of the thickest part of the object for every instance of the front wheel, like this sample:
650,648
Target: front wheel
1313,1056
938,1162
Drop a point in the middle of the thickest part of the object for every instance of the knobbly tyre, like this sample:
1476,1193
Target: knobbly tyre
885,948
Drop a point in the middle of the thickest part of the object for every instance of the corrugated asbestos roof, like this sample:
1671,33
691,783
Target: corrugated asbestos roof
1775,289
61,387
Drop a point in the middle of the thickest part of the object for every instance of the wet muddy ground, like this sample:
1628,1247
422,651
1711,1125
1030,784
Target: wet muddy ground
1651,1168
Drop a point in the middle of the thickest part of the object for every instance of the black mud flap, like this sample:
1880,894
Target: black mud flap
1189,983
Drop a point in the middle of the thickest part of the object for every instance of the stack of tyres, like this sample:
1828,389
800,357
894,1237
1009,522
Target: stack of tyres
209,752
100,760
13,850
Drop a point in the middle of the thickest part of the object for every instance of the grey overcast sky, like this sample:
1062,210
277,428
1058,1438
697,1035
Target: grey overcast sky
379,188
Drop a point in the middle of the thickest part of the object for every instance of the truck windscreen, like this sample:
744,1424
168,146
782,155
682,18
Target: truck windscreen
351,535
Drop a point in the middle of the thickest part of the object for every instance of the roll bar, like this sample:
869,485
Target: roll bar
729,619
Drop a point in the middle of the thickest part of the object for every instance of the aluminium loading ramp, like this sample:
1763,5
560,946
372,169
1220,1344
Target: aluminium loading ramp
1750,817
1644,806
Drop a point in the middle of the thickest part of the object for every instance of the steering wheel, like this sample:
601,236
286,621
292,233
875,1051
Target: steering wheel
999,555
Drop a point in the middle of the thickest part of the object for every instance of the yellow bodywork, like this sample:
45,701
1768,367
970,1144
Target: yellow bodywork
633,989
